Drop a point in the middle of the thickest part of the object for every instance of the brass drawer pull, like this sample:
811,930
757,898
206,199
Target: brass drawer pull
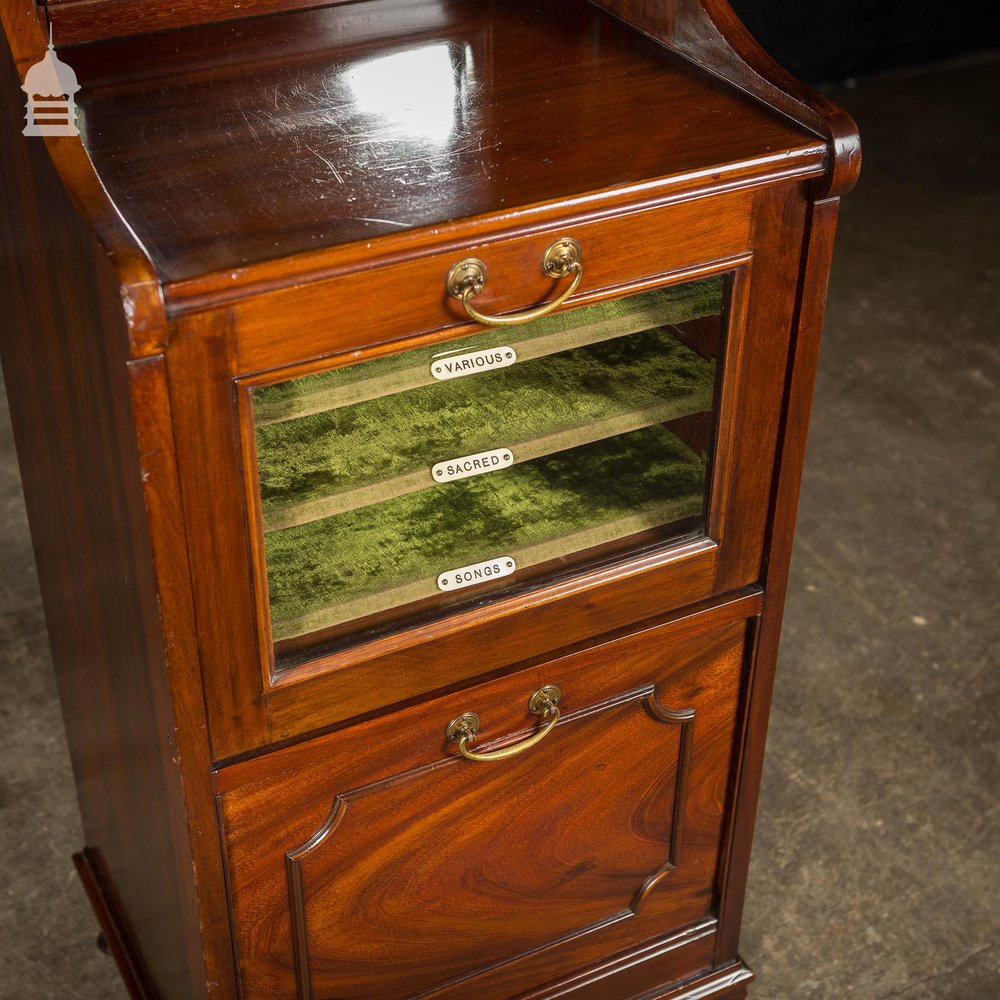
467,278
463,730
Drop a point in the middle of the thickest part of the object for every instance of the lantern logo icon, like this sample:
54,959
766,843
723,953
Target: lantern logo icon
51,87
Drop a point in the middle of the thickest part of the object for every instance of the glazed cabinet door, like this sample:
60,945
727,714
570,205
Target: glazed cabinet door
392,491
380,863
376,488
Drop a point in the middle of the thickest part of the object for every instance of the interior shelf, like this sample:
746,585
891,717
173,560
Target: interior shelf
553,334
389,555
339,459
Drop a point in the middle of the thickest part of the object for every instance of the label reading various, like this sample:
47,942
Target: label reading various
472,465
468,576
475,361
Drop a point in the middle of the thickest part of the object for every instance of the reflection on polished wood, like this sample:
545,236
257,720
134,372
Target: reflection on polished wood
263,138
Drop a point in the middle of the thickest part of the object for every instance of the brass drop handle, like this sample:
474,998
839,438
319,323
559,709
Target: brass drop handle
463,730
466,280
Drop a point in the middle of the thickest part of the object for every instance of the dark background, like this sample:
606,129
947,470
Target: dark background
823,41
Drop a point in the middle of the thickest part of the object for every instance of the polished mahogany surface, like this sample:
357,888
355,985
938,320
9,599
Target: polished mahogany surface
314,832
240,142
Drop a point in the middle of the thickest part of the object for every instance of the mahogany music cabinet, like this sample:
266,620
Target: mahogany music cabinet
411,398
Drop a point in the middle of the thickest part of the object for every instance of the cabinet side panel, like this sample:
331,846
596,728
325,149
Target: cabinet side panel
63,342
710,34
820,228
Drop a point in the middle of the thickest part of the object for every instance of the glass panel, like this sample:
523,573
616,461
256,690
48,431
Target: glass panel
397,488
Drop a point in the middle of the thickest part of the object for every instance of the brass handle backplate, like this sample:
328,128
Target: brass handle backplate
464,729
467,278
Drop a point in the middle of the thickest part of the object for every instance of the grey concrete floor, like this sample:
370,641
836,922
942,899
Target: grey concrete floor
876,869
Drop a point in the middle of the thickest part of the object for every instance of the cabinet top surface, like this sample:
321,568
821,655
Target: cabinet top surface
254,140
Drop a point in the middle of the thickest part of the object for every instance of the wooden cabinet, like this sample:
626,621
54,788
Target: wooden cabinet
411,400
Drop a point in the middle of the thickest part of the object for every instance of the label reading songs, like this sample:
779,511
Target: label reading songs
475,361
472,465
468,576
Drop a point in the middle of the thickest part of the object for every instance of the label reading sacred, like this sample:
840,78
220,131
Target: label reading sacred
475,361
468,576
472,465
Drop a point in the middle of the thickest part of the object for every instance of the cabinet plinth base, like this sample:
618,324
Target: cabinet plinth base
632,982
112,927
728,984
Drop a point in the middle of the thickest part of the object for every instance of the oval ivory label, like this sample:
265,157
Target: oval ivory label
468,576
475,361
472,465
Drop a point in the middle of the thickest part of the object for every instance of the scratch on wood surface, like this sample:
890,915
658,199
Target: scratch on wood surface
387,222
333,169
250,126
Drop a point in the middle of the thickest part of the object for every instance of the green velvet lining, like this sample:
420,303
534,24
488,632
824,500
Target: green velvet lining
602,389
316,571
406,370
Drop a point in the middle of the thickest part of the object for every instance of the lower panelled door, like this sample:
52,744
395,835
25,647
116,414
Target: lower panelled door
379,862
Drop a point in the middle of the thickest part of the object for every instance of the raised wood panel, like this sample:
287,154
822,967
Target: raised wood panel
454,876
161,494
375,862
